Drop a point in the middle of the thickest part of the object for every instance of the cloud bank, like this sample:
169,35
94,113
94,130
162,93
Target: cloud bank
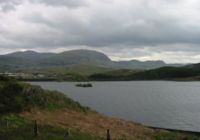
130,29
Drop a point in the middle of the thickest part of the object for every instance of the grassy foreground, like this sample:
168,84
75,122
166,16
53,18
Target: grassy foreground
56,114
16,98
14,127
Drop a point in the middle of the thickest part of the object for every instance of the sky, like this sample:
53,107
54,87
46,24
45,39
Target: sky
166,30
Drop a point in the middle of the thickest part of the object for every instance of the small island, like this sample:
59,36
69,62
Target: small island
84,85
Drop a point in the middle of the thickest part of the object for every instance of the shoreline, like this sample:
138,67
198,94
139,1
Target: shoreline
28,80
175,130
152,127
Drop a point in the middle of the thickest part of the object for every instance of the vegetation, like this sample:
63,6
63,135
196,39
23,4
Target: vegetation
81,69
190,72
165,73
14,127
4,79
73,73
17,97
95,73
114,75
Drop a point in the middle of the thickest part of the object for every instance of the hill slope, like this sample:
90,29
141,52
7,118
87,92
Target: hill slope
18,97
30,59
190,72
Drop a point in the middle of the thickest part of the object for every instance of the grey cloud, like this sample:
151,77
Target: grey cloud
67,3
162,26
10,1
105,32
9,5
107,28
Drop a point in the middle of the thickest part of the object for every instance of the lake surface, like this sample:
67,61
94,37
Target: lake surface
174,105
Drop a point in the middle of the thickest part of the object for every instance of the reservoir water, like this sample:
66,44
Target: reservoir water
166,104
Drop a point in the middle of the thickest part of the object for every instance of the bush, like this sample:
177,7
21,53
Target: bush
16,97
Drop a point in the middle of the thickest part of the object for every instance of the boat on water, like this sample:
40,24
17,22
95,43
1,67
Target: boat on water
84,85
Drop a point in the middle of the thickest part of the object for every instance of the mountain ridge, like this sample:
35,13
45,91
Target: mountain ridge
31,59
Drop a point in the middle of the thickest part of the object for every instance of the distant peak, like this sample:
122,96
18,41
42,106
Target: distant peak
85,54
29,51
81,50
23,52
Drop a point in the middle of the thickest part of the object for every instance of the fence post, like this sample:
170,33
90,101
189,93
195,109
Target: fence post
35,129
67,134
7,124
108,135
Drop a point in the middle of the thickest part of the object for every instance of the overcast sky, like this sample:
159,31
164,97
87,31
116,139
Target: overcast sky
166,30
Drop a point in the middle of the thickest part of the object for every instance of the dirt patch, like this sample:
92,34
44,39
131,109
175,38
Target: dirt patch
93,123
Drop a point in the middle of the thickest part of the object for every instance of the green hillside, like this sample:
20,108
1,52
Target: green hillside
190,72
73,73
81,69
113,75
18,97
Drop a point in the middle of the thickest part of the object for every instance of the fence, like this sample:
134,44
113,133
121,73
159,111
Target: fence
34,130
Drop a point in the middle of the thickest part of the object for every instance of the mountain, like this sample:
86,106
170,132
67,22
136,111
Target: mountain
29,55
75,57
141,65
30,59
